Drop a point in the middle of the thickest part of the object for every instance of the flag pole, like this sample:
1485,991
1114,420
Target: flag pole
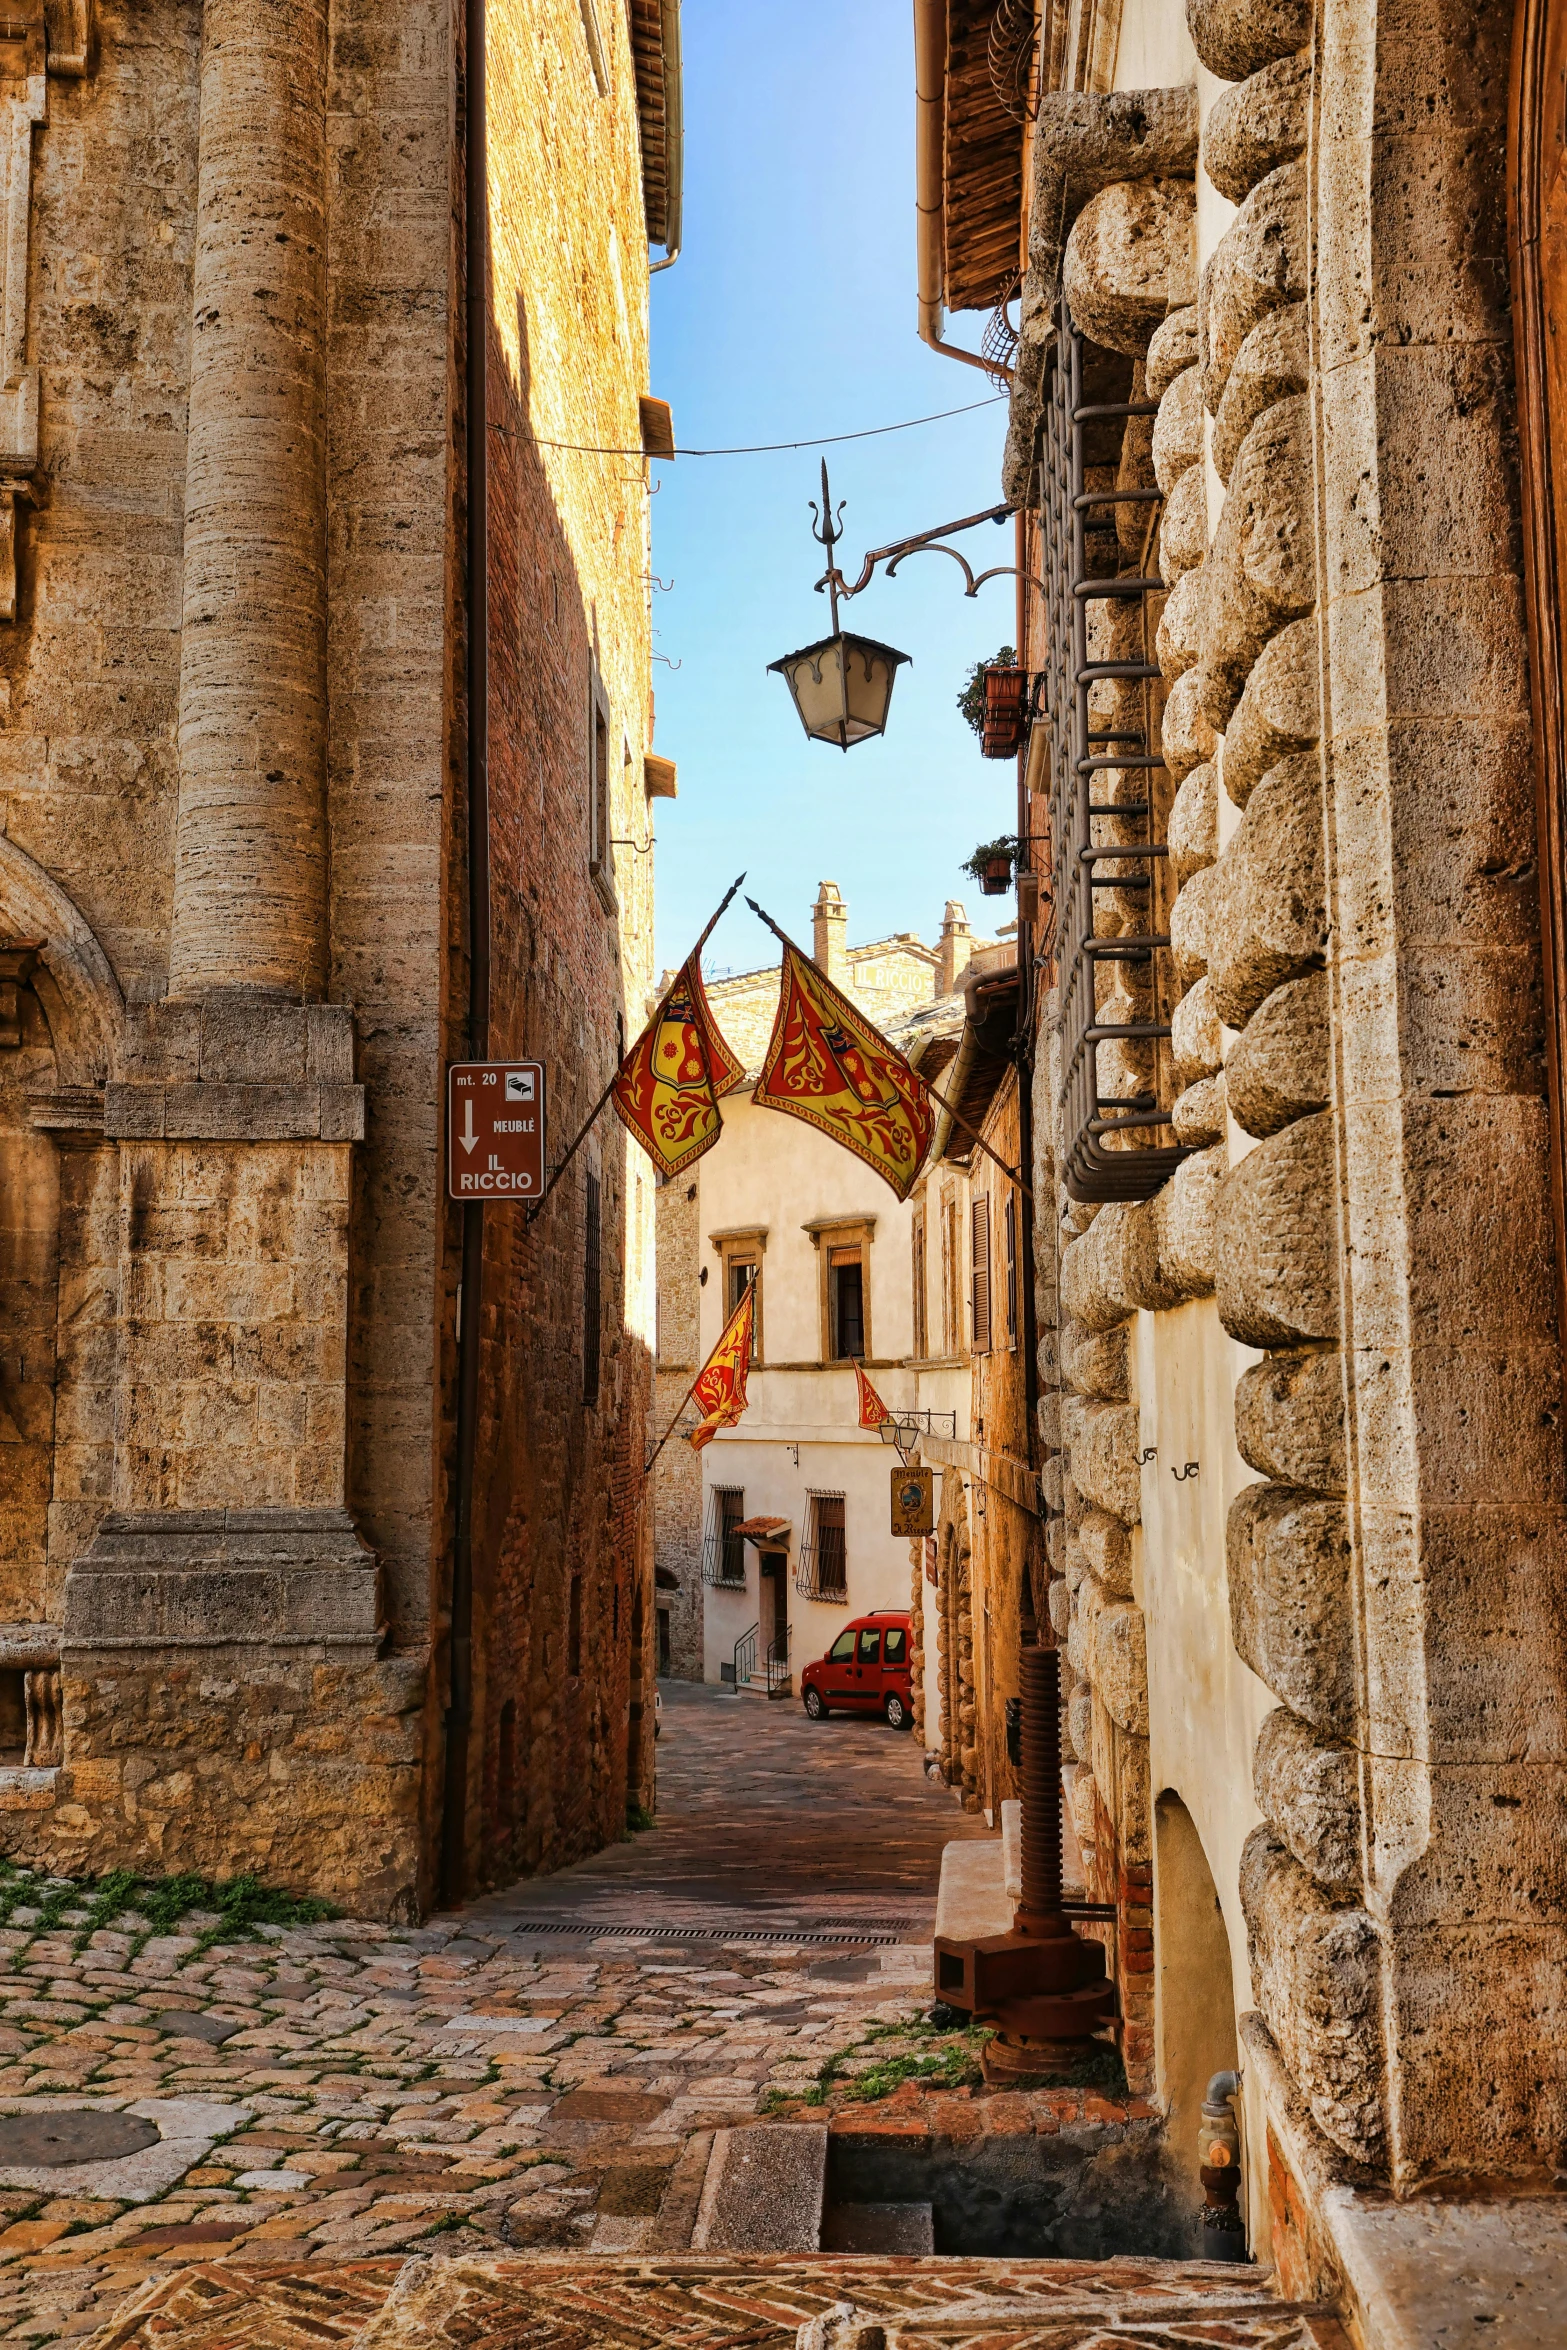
955,1114
583,1131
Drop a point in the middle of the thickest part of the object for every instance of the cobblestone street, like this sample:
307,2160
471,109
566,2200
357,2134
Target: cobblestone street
535,2073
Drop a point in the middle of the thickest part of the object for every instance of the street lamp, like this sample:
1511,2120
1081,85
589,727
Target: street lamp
842,685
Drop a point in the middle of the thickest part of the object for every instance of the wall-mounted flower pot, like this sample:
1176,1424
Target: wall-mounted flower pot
1006,713
995,877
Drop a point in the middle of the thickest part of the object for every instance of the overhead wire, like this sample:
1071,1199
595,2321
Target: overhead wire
756,448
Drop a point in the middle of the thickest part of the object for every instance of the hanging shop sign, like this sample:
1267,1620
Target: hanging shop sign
913,1501
495,1130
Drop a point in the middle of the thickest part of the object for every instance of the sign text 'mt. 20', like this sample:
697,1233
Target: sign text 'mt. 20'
495,1130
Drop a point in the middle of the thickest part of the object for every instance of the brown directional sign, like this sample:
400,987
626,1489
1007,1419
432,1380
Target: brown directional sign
495,1130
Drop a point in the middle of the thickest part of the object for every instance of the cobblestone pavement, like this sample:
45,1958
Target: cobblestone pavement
541,2073
525,2074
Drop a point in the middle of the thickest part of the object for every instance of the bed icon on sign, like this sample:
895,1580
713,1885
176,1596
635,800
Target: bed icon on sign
522,1085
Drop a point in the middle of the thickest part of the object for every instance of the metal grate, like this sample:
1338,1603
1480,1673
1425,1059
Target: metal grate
1110,1150
859,1937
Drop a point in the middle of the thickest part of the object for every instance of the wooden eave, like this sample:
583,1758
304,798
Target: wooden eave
647,50
981,168
983,1063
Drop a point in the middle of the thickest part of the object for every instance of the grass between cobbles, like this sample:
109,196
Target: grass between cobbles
232,1911
949,2060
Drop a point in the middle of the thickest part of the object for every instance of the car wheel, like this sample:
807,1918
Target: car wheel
898,1716
814,1706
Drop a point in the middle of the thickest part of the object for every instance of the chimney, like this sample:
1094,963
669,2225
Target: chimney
830,934
957,947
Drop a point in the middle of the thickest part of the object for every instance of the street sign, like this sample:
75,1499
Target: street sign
913,1501
495,1130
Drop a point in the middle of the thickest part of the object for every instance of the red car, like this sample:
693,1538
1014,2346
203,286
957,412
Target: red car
866,1671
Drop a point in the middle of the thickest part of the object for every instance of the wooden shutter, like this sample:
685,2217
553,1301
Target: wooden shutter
980,1228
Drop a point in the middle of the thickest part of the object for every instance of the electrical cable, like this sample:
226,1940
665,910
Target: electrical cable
759,448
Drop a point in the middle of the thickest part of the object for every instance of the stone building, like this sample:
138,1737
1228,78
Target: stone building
1298,803
324,1547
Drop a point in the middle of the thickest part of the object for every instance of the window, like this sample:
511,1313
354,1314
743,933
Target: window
980,1291
723,1552
824,1566
741,1253
870,1648
601,863
845,1305
842,1649
1009,1225
843,1253
917,1244
592,1298
895,1646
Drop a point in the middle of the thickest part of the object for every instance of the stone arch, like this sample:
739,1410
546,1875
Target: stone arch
73,978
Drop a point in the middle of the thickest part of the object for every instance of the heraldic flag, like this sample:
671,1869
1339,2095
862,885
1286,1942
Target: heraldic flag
828,1065
719,1393
676,1074
872,1410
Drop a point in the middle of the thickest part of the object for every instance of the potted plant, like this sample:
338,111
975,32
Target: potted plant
991,865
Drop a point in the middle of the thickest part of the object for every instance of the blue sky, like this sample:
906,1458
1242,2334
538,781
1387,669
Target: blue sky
791,312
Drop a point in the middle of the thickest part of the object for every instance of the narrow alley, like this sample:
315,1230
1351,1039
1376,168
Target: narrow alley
546,2073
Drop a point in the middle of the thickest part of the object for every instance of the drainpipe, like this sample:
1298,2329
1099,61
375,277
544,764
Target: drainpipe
459,1709
930,68
674,136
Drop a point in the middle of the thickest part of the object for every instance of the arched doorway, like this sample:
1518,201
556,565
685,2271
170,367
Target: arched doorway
1194,1998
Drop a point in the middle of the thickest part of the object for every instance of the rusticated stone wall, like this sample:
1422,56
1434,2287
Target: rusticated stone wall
1356,1056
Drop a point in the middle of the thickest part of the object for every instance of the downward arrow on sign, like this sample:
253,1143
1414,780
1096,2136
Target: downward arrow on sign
467,1137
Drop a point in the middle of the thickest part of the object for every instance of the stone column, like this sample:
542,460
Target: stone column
250,864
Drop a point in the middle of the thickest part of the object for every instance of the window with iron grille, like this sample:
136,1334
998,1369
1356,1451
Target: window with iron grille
723,1550
979,1217
1110,791
592,1288
823,1571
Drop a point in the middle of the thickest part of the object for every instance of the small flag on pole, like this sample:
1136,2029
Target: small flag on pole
872,1410
719,1392
827,1064
676,1074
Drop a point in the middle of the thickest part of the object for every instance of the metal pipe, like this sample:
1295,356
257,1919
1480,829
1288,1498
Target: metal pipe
1040,1780
930,68
459,1710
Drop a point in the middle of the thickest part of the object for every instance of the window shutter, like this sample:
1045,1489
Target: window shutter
981,1256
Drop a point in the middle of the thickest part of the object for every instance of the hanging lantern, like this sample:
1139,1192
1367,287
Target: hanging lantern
842,687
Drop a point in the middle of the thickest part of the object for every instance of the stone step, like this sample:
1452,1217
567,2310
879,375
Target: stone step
765,2189
755,1685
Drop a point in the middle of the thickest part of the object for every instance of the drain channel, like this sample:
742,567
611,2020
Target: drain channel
596,1929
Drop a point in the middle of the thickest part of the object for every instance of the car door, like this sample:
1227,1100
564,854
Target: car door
867,1670
895,1662
838,1670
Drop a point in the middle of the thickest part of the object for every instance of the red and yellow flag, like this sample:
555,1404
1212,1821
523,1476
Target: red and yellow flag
719,1393
676,1074
828,1065
872,1410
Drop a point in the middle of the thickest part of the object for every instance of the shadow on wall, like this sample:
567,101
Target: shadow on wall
564,1384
